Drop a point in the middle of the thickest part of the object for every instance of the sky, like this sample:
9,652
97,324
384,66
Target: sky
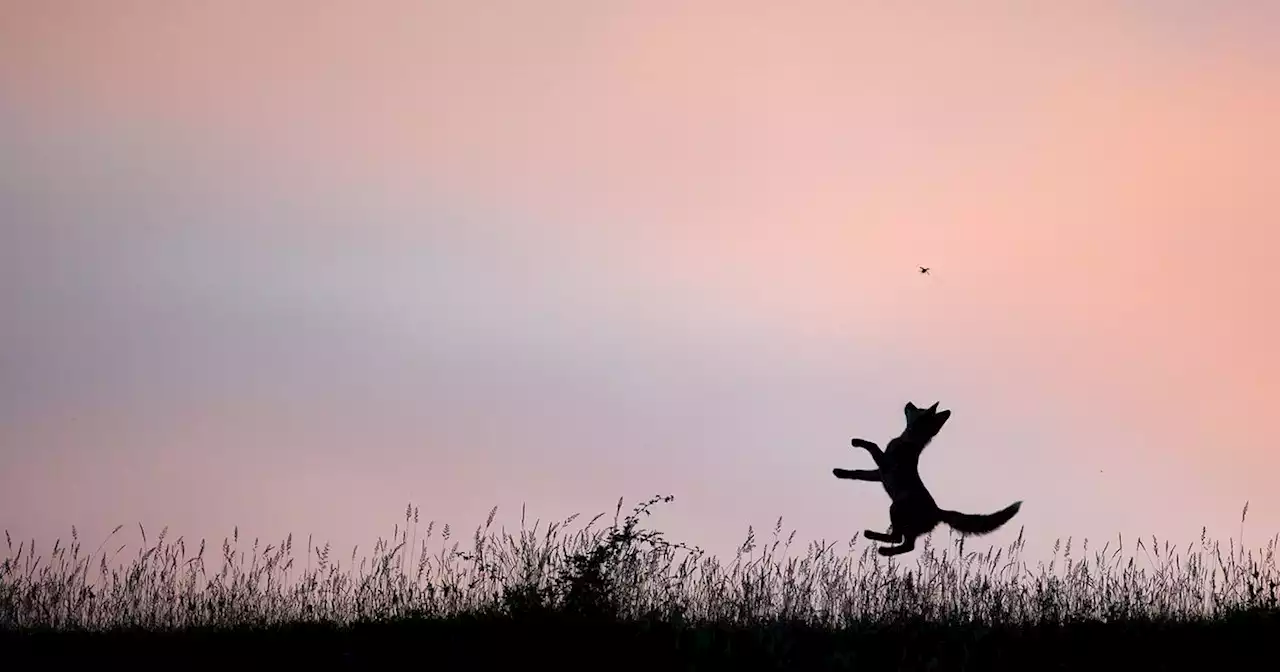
290,266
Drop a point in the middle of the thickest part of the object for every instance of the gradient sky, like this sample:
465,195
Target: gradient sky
292,265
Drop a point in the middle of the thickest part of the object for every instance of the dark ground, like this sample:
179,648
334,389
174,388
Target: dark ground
558,643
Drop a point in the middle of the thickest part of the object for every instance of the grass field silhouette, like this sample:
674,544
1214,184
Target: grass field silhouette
552,593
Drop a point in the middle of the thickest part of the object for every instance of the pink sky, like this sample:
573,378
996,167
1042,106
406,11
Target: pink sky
292,265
